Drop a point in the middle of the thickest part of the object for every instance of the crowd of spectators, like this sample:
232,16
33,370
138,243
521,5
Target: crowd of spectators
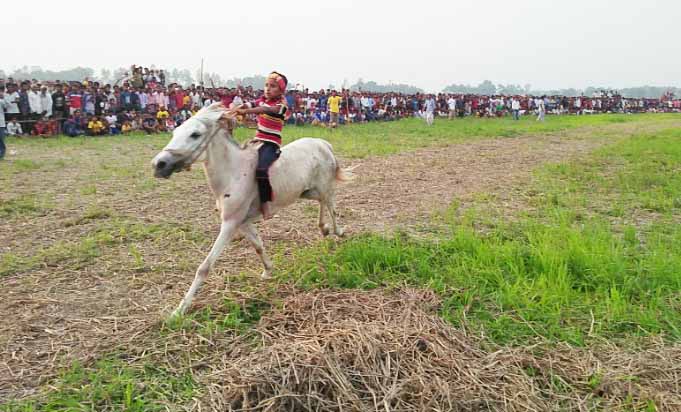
143,102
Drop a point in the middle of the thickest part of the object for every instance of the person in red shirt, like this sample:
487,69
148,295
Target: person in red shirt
42,128
225,97
272,113
75,99
179,98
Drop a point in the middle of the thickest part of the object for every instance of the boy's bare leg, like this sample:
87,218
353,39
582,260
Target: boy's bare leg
267,210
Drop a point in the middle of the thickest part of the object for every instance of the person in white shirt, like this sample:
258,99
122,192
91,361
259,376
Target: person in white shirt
238,101
111,120
451,105
14,128
364,101
578,105
196,99
541,109
34,102
208,102
429,109
12,100
45,102
3,129
515,107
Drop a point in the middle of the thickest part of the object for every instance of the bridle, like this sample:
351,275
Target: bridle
193,155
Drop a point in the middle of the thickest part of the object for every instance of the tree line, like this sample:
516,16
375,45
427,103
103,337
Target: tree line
185,78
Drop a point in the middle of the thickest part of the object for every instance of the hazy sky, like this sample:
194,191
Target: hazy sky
430,44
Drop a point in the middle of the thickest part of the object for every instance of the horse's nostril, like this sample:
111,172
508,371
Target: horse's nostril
161,165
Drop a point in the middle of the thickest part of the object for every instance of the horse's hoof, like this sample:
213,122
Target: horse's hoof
266,274
340,232
176,314
325,230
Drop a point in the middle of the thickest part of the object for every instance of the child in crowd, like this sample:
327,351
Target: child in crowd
112,121
149,124
162,114
272,113
170,124
72,127
95,127
135,123
126,127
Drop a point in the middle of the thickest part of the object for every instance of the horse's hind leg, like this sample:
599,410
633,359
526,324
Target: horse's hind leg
323,227
331,206
251,234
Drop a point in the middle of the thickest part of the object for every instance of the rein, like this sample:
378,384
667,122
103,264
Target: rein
194,154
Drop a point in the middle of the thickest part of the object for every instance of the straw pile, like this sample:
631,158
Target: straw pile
372,351
365,352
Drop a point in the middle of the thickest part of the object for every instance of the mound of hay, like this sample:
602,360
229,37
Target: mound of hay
375,351
336,351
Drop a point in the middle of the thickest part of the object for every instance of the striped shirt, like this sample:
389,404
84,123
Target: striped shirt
271,125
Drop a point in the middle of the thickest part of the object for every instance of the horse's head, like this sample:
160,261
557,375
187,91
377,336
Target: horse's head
191,139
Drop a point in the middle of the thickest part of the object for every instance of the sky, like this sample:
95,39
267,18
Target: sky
549,44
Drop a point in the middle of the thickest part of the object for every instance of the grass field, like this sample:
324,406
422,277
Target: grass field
562,260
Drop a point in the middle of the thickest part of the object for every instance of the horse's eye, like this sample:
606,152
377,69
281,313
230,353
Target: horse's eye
195,135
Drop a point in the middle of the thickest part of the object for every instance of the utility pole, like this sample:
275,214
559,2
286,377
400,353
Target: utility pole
201,74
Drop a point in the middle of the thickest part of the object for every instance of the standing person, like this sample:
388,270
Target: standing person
59,106
45,103
272,112
29,104
75,99
451,105
541,109
515,107
3,129
334,102
12,100
429,109
89,102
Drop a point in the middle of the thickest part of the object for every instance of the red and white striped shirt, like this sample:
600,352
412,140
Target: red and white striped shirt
271,125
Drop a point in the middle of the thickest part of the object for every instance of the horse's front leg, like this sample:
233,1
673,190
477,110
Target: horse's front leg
251,233
227,229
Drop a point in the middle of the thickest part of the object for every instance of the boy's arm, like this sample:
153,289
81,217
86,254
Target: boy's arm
259,110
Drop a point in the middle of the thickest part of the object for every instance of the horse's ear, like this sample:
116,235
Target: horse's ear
213,112
229,120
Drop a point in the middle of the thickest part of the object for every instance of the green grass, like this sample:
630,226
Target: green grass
23,205
563,273
361,140
230,316
111,384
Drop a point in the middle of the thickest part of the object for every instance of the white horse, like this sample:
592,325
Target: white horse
307,168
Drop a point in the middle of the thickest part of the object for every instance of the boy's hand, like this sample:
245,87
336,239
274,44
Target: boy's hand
237,112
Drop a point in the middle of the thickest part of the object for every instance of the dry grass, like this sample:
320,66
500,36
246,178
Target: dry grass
361,351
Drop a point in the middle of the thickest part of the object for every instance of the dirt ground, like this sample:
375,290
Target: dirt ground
51,315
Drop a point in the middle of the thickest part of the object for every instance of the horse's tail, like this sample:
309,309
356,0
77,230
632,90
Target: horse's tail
342,175
345,175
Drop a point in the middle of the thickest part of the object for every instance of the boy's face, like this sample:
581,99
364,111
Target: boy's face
272,89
